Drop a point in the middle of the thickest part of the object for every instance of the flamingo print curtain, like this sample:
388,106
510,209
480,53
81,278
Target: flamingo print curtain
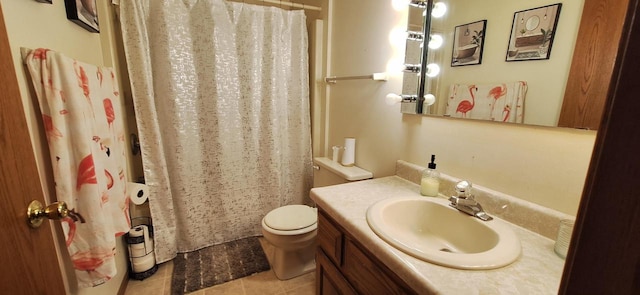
221,93
502,102
81,115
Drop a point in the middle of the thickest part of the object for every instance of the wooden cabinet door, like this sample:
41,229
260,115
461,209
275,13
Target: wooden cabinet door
368,276
329,280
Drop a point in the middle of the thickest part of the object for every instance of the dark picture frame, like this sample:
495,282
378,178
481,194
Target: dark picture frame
468,44
532,33
84,13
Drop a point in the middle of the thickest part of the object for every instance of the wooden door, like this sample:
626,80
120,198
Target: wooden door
29,261
604,256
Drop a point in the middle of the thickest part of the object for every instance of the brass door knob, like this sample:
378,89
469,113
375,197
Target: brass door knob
36,212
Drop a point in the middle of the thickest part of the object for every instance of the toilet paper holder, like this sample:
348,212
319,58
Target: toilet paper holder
146,243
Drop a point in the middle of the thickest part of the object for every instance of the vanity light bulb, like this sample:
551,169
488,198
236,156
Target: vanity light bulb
395,66
392,99
439,9
398,36
433,70
429,99
436,41
398,5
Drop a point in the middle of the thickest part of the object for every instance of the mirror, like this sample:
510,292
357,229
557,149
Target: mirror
418,62
413,53
545,79
532,23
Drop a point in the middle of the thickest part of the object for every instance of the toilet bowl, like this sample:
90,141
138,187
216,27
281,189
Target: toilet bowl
292,231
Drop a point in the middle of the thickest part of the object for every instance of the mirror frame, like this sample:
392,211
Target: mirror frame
426,33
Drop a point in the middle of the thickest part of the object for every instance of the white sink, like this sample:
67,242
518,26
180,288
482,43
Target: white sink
429,229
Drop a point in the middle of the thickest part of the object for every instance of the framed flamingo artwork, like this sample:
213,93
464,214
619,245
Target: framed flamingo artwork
84,13
468,42
532,33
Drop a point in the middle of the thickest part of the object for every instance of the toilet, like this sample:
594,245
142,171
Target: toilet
292,231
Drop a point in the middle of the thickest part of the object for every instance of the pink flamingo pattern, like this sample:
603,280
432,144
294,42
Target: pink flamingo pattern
496,93
506,112
465,105
494,102
82,120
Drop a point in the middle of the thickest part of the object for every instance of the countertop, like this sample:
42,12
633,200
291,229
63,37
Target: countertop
538,270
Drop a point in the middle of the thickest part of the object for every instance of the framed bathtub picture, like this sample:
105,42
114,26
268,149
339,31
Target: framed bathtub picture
532,33
468,42
84,13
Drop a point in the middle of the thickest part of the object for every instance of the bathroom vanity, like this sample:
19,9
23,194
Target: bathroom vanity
352,259
343,266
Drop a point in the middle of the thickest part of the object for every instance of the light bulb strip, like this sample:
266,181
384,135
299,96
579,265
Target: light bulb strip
418,3
423,61
411,68
416,36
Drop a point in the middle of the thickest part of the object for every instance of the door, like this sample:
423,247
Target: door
29,261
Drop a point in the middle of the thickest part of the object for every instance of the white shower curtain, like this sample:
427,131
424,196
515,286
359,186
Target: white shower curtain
222,106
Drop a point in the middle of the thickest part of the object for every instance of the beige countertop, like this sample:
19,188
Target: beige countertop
538,270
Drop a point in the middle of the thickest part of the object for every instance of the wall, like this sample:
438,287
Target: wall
546,78
31,24
543,165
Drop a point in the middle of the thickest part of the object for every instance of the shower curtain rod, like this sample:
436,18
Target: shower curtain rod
285,3
290,4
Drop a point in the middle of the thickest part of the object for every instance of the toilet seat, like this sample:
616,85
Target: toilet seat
291,218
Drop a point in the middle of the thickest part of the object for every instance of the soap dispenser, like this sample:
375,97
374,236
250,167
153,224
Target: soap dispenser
430,183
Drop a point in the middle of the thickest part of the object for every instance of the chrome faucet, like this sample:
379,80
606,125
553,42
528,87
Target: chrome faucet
465,202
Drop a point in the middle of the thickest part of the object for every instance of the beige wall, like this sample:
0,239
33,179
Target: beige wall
543,165
32,25
546,78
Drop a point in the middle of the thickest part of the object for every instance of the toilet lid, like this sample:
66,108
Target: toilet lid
291,217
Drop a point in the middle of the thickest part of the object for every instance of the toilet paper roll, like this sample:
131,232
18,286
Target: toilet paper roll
138,192
139,231
137,252
143,263
142,244
349,154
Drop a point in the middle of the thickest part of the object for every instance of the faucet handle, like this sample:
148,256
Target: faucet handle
463,189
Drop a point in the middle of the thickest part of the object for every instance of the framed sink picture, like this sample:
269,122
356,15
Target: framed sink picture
84,13
532,33
468,42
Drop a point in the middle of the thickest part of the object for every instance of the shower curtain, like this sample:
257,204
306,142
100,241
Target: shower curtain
221,97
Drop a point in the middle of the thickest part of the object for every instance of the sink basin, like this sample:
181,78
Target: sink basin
429,229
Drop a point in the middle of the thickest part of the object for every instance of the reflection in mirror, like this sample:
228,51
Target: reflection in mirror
420,70
413,50
545,79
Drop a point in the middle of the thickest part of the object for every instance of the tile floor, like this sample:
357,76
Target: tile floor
263,283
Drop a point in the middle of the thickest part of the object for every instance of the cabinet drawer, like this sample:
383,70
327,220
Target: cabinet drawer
366,276
329,279
330,238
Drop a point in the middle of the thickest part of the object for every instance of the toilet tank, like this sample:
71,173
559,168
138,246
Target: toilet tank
326,172
324,177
